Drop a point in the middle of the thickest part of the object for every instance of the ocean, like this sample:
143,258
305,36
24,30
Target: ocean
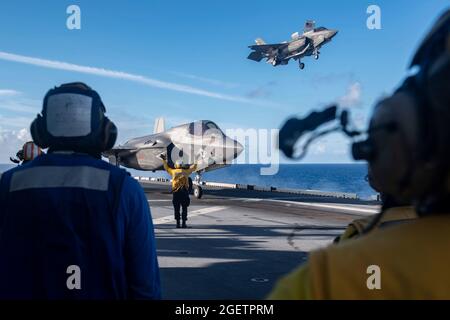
323,177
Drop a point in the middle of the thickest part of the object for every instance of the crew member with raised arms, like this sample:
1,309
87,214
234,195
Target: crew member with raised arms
180,189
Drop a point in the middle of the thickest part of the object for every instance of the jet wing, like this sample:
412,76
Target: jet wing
117,150
262,51
300,53
212,167
130,148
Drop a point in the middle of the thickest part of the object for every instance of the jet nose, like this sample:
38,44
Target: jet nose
332,33
238,148
232,149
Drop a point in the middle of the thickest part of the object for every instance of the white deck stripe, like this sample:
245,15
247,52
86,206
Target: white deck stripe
195,213
371,210
327,206
343,207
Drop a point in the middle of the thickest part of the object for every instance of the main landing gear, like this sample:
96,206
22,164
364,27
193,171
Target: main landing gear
114,159
316,54
275,62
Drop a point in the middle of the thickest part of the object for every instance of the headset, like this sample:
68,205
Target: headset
73,119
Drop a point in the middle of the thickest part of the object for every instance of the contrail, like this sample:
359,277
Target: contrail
59,65
8,92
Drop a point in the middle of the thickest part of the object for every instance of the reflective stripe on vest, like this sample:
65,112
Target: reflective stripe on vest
60,177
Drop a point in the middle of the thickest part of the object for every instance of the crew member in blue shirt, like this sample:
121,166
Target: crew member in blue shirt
71,225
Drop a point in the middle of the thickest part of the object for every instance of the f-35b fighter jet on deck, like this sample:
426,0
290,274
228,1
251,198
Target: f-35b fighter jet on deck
202,143
306,44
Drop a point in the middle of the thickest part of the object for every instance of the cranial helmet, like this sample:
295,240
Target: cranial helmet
408,147
178,164
73,118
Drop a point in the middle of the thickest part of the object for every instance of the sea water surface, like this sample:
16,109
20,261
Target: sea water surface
323,177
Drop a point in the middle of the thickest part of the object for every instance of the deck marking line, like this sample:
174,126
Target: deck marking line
191,214
328,206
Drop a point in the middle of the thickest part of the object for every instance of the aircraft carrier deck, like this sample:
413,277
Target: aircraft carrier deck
239,242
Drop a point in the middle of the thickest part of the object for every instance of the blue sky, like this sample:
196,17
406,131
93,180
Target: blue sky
202,44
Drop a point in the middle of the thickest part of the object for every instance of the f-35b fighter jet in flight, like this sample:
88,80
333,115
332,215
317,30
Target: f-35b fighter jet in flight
306,44
202,143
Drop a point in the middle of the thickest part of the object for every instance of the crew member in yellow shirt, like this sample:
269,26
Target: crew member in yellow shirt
180,189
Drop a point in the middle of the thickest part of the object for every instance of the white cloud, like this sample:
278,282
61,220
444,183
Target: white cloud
11,141
20,105
59,65
319,148
23,135
262,91
352,97
8,93
206,80
15,122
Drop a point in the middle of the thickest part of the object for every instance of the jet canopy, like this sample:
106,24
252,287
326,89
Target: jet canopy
198,128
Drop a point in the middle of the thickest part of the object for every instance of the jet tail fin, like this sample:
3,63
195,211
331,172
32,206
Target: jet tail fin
260,41
309,25
255,56
159,126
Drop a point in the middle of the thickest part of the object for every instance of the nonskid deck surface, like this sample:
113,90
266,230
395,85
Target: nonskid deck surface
240,242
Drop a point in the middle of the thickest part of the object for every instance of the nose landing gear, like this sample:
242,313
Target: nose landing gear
198,192
195,186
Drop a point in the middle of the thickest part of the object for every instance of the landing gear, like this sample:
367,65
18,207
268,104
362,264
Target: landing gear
316,54
301,65
114,159
197,190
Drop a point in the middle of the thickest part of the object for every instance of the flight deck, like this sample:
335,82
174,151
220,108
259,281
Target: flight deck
239,242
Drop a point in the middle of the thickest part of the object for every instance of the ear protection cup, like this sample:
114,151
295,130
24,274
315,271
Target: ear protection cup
393,134
38,132
439,99
402,133
109,134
